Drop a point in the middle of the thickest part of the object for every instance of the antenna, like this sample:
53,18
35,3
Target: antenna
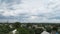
7,21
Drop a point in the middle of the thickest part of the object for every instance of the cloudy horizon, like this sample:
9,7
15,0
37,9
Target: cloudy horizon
30,10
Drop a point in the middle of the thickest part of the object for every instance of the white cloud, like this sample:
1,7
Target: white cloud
42,9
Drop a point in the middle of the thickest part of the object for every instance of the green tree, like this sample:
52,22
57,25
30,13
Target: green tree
48,29
38,31
31,31
17,25
5,29
55,28
23,31
29,25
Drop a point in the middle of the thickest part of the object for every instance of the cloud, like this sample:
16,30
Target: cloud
30,10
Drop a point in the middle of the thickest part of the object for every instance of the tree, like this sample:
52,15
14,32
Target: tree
29,25
31,31
23,31
38,31
55,28
48,29
17,25
5,29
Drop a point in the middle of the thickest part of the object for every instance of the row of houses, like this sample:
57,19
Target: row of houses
36,26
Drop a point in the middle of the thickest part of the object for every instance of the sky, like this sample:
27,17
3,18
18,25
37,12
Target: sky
30,11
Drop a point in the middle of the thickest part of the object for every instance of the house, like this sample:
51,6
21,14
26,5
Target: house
44,32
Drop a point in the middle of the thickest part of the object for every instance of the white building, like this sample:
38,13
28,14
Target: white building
44,32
